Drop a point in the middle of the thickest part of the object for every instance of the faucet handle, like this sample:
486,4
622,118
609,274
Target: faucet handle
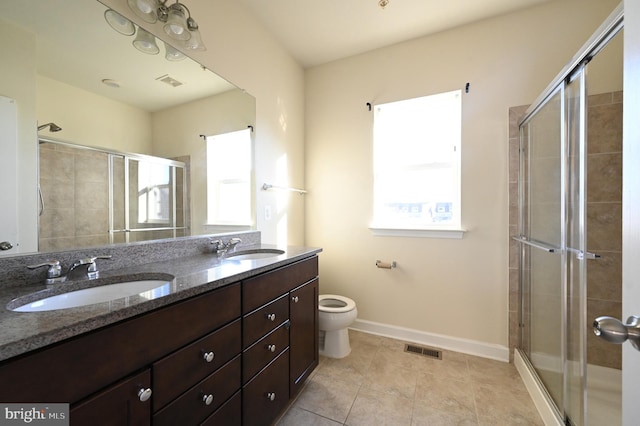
54,271
234,242
91,261
216,244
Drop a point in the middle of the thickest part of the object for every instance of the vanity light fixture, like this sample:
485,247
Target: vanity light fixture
172,54
178,23
119,22
146,42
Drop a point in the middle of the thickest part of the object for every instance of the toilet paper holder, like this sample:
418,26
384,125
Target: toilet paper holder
385,265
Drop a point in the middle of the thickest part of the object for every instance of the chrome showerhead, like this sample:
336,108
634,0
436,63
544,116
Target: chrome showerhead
53,127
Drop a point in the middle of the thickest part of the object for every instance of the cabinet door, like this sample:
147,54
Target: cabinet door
267,394
303,334
120,404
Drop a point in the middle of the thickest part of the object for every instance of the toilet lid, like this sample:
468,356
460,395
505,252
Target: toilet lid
335,303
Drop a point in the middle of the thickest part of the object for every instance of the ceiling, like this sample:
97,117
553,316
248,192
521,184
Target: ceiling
319,31
83,52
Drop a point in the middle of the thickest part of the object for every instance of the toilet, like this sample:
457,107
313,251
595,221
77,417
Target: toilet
335,314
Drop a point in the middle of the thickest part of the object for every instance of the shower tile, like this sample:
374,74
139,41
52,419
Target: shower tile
93,195
515,115
604,177
604,276
92,167
91,222
604,128
91,241
600,99
56,223
604,225
514,289
56,165
514,158
617,97
57,194
55,244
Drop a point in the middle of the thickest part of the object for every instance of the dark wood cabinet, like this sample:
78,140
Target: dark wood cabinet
125,403
235,355
303,334
280,322
267,394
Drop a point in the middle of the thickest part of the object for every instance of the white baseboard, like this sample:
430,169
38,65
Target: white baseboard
471,347
540,399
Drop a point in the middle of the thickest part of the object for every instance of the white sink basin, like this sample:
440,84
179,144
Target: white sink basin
254,254
149,289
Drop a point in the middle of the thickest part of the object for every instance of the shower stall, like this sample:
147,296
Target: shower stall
93,197
569,233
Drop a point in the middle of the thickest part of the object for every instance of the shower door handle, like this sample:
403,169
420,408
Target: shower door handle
614,331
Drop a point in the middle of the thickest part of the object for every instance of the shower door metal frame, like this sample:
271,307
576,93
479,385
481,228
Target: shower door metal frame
576,68
526,242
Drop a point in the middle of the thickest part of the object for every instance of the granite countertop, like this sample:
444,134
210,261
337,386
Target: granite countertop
21,332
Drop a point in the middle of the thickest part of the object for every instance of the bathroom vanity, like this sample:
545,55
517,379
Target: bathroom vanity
234,353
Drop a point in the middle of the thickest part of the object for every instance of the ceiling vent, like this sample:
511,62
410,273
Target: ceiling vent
169,80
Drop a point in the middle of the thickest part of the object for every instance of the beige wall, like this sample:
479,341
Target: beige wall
117,126
176,133
456,288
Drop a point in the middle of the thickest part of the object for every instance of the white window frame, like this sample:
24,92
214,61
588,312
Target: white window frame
229,172
388,165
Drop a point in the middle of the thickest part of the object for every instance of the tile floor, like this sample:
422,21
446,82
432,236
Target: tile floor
380,384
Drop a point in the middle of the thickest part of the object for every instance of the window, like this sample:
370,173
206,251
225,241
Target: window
154,192
229,167
417,164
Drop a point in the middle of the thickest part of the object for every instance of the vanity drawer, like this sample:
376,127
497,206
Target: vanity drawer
230,414
267,394
263,320
264,351
191,408
179,371
261,289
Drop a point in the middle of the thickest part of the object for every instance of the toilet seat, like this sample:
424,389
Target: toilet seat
335,303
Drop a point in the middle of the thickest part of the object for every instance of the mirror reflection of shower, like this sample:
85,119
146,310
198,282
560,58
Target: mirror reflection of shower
53,127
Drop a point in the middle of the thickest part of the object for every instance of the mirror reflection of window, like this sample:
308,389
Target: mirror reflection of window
154,193
229,164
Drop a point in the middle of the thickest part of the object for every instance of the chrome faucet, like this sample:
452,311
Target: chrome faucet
54,273
221,248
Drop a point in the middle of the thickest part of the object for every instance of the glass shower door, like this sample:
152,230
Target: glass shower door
541,226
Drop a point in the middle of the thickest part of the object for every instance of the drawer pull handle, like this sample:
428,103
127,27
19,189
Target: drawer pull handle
208,356
207,399
271,396
271,348
295,299
271,317
144,394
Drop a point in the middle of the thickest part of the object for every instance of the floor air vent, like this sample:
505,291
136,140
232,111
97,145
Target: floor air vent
428,352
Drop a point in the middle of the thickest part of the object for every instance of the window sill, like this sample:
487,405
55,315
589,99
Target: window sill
448,233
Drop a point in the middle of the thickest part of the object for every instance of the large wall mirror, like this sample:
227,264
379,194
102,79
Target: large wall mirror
64,64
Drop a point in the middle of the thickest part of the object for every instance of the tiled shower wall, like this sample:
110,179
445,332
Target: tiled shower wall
74,184
604,221
70,178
